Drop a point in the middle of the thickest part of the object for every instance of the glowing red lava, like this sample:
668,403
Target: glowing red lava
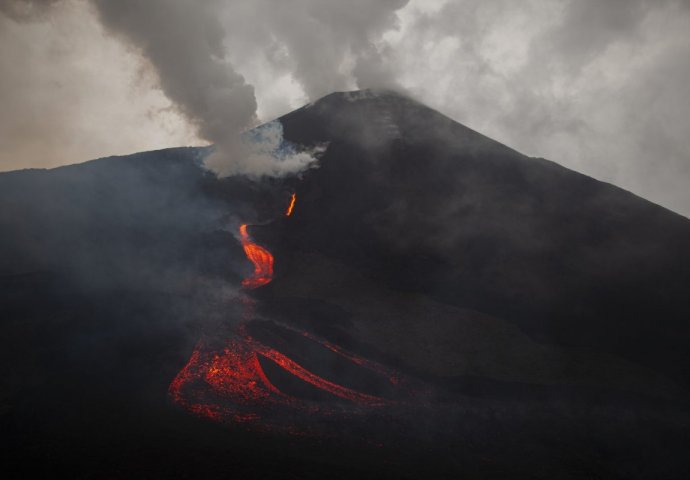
260,257
228,384
291,206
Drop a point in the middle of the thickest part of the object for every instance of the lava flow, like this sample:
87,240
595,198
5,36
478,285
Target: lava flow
291,206
260,257
229,384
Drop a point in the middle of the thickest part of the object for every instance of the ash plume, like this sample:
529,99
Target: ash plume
331,45
557,79
183,41
187,46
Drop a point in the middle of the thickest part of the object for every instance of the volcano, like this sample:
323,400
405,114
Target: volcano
423,302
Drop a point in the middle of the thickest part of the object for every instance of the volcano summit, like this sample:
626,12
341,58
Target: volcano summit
424,301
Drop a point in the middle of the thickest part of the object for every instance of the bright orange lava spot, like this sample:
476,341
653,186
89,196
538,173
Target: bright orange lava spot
290,207
260,257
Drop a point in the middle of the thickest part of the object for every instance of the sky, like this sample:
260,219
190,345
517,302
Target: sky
599,86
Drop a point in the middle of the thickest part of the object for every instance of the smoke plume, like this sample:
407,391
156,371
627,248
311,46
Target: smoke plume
188,46
183,41
599,87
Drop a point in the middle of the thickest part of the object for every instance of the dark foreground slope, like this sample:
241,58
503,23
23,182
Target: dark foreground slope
543,314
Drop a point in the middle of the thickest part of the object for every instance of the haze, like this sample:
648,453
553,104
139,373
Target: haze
601,87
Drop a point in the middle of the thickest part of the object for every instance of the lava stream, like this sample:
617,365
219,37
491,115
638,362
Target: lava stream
229,384
290,207
260,257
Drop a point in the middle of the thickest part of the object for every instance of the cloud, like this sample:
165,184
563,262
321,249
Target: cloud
69,93
26,10
183,42
265,152
596,86
321,45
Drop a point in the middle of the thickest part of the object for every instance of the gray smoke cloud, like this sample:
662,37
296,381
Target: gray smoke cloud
332,45
598,86
594,85
183,41
26,10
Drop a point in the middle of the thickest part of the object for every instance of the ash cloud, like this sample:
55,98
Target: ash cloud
596,86
26,10
592,85
266,151
332,45
183,41
70,92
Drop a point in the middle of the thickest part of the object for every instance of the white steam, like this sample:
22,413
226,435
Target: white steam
264,152
183,40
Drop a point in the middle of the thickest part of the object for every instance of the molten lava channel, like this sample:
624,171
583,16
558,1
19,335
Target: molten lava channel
291,206
260,257
230,385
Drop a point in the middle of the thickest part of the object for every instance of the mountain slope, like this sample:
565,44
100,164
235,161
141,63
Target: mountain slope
444,211
539,316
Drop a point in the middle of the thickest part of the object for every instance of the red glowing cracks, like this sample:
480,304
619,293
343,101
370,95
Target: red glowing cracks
260,257
225,385
230,385
321,383
291,206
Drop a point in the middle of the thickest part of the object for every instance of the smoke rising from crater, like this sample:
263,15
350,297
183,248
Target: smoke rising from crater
598,86
183,41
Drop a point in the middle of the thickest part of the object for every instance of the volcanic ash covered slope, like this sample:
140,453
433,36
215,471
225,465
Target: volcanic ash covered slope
460,257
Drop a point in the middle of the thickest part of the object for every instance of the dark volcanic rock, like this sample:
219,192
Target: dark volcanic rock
544,311
424,205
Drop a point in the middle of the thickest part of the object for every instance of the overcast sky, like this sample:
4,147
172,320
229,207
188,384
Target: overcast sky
599,86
